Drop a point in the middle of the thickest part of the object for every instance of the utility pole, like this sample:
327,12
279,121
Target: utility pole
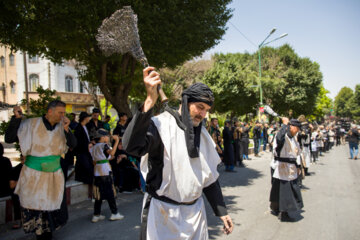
49,76
26,84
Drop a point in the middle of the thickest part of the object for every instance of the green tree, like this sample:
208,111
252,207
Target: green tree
341,104
289,82
231,79
354,103
323,105
66,29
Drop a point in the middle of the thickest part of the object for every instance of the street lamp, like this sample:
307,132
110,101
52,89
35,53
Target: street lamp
259,50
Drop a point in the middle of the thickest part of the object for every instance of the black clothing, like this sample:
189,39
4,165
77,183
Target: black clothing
285,194
11,132
73,125
104,190
141,137
245,141
257,132
15,174
126,177
198,92
228,147
265,132
92,127
5,176
238,147
119,130
354,137
84,167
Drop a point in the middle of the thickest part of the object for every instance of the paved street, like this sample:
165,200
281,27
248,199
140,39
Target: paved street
331,198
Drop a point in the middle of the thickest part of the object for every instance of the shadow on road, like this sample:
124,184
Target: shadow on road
242,177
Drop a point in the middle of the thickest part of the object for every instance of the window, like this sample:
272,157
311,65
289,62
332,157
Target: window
12,59
68,84
33,59
12,87
81,87
34,82
2,59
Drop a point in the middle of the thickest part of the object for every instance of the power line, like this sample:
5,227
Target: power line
243,35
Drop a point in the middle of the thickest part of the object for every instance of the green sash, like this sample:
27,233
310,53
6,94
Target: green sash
43,164
102,161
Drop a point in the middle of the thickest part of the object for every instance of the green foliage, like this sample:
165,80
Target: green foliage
342,100
112,121
38,107
323,106
354,104
3,126
288,81
66,29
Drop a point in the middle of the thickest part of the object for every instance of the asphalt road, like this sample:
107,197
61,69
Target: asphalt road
331,198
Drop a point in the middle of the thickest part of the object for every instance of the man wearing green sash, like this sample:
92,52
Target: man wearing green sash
41,183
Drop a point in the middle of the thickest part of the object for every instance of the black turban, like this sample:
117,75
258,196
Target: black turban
197,92
295,122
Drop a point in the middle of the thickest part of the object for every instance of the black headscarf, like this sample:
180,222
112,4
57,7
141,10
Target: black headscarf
197,92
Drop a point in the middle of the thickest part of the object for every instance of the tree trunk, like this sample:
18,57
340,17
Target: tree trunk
118,97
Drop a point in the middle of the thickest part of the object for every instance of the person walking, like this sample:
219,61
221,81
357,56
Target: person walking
353,138
285,194
179,163
245,141
257,138
103,188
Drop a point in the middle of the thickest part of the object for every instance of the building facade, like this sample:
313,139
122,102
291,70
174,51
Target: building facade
41,72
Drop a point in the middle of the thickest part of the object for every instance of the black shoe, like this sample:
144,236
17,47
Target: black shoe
284,217
275,213
228,170
249,159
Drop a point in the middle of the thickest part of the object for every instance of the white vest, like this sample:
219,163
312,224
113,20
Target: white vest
183,178
283,170
40,190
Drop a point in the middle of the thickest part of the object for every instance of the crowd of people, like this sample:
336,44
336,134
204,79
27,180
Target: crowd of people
51,144
103,162
124,167
232,143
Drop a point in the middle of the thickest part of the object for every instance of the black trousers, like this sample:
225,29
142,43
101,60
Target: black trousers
112,206
238,151
245,146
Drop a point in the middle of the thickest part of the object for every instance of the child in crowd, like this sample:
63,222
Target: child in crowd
103,187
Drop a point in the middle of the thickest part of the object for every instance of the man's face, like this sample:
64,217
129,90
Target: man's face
123,119
198,112
294,130
95,116
214,122
56,114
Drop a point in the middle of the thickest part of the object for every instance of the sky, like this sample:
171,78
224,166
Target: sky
326,31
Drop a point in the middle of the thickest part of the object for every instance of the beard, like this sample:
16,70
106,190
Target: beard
196,120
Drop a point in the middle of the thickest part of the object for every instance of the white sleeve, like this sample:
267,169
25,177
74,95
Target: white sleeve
25,137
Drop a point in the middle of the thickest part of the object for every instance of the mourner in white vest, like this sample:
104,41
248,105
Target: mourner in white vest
43,140
285,195
179,162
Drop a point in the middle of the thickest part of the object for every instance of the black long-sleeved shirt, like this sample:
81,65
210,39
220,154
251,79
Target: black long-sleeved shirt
141,137
11,132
